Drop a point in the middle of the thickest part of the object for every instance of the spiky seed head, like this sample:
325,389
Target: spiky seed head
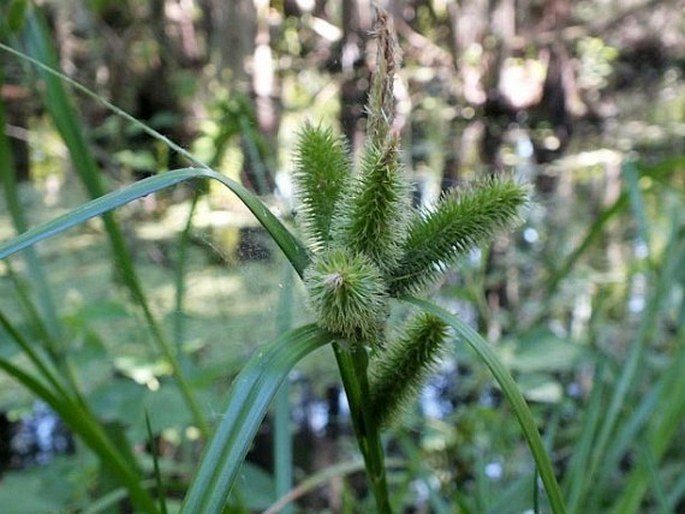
347,295
373,218
322,173
400,370
463,219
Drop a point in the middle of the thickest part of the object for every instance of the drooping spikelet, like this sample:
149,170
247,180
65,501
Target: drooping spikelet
401,369
322,173
347,295
462,219
374,216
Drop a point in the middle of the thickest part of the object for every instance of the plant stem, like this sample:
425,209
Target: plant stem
353,370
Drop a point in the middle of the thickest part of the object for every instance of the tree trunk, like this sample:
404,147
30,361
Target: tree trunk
241,33
357,19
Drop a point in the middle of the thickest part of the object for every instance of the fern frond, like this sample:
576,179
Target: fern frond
401,369
374,216
322,172
462,220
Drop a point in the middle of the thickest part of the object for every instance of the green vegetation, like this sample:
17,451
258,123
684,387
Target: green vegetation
129,372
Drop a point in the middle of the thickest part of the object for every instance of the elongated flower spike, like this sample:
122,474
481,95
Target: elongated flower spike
373,218
402,368
322,172
463,219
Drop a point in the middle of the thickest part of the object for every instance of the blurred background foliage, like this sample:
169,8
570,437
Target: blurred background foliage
585,304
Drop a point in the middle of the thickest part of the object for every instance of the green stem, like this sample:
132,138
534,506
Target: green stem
353,370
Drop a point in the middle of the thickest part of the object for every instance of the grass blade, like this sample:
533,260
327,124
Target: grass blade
513,395
289,244
42,365
155,461
637,204
630,369
68,124
248,401
35,270
575,478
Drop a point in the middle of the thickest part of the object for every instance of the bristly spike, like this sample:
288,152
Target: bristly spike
401,369
381,105
374,217
322,173
462,220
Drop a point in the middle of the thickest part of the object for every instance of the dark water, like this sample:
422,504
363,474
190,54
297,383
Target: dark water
33,440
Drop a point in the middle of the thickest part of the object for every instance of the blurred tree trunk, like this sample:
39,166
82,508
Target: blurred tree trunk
267,102
357,20
241,32
235,30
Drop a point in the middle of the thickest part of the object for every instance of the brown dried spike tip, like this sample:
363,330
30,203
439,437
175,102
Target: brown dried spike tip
381,106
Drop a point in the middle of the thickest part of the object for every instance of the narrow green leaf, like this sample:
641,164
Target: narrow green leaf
248,401
47,323
291,246
42,365
592,234
283,437
674,256
661,431
155,461
574,481
71,129
511,392
632,179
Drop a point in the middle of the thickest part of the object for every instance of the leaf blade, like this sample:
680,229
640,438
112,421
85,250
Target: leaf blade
248,401
289,244
511,392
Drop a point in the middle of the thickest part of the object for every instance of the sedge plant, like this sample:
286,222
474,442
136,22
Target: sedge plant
369,246
364,247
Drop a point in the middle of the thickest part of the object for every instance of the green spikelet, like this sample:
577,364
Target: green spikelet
322,172
374,216
401,369
381,105
347,295
462,219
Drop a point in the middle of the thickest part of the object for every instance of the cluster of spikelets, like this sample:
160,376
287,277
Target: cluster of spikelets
369,244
